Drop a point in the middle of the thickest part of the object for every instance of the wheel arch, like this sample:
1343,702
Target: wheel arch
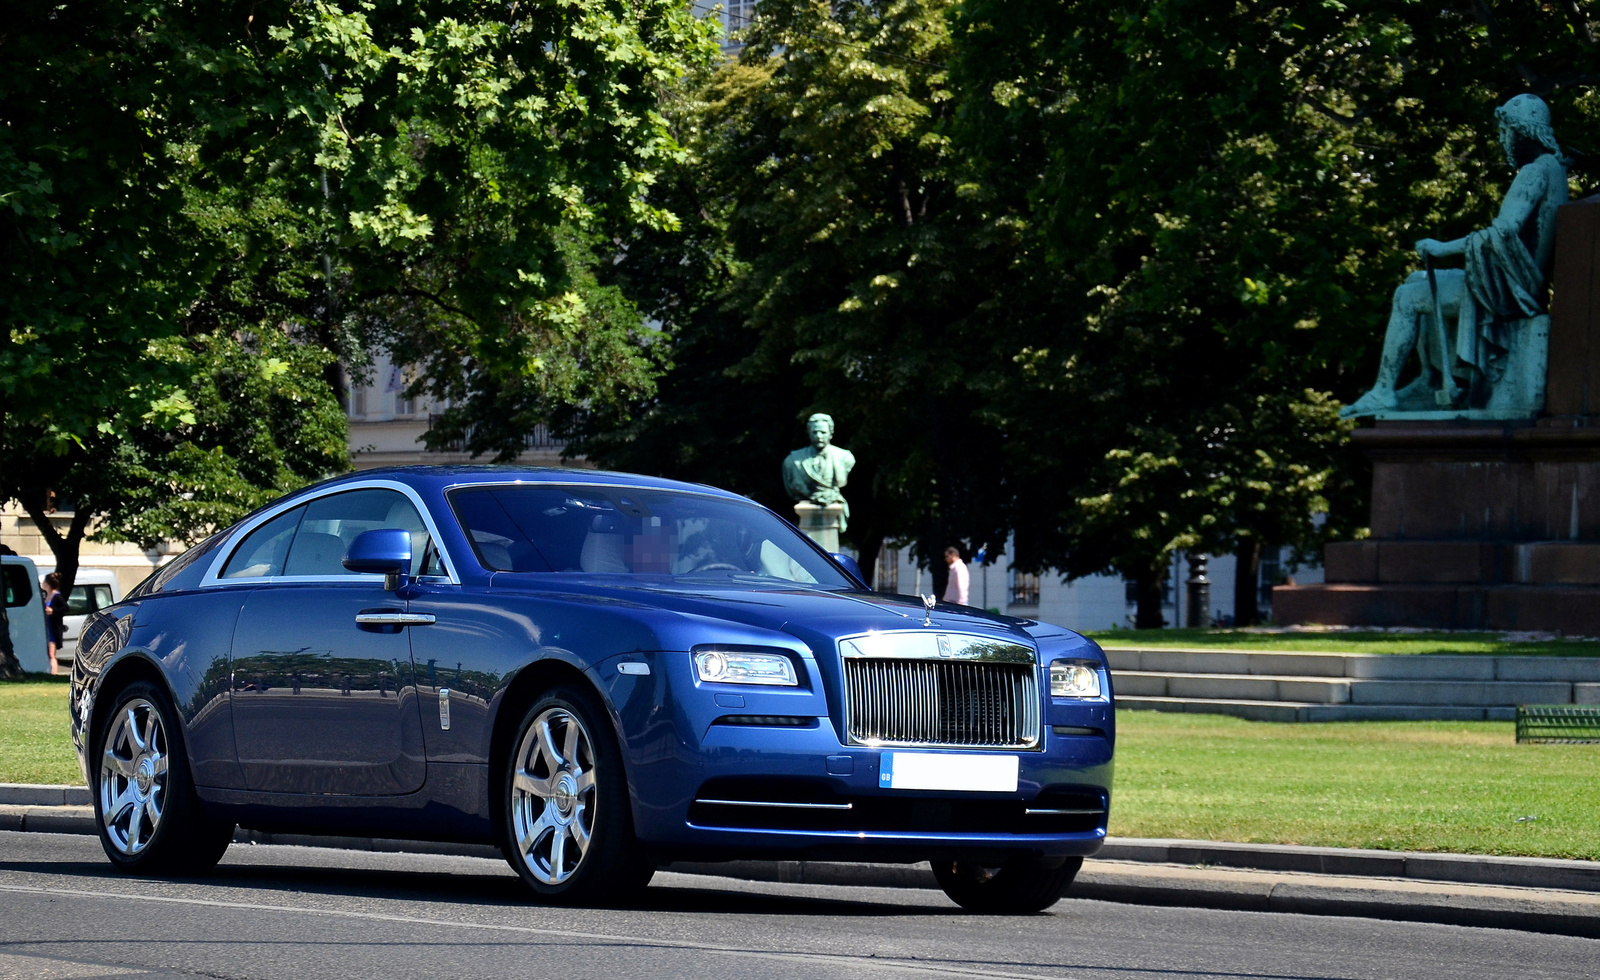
119,674
520,694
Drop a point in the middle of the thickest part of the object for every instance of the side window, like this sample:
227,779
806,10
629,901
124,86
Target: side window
263,550
19,591
331,523
86,599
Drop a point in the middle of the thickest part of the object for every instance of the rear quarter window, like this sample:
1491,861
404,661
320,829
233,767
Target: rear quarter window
183,572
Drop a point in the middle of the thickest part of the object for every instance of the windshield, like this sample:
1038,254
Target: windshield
627,531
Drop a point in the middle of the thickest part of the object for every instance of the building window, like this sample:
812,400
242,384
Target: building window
740,13
887,577
1024,589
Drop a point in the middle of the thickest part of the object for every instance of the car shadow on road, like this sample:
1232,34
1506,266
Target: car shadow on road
493,887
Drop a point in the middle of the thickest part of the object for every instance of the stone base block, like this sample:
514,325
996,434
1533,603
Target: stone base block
1573,610
1463,562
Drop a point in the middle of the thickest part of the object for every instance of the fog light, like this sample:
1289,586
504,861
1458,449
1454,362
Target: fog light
1074,679
744,667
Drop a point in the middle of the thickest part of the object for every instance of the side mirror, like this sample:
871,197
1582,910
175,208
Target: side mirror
850,566
386,551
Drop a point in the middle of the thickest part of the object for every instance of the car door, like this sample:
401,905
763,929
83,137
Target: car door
324,700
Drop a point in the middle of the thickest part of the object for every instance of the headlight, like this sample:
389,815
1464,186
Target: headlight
1074,679
744,667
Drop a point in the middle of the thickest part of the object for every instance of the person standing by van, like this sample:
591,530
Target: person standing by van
55,616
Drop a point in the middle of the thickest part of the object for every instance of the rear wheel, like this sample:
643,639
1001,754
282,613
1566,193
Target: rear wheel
149,817
568,822
1022,885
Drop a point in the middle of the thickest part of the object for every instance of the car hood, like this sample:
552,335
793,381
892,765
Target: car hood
816,616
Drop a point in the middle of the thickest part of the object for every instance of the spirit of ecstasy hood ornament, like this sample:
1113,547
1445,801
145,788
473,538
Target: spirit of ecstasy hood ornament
928,602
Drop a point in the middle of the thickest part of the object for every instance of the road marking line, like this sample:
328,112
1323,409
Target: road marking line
897,965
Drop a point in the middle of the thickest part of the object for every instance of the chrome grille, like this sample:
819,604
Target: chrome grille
940,702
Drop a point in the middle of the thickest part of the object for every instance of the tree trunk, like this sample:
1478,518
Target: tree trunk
65,549
941,576
10,667
1150,584
867,557
1246,573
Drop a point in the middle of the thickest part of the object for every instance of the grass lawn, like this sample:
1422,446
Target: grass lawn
1353,641
35,733
1420,786
1424,786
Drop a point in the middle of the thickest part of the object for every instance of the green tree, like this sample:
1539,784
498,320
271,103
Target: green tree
456,162
1217,201
426,176
259,420
837,261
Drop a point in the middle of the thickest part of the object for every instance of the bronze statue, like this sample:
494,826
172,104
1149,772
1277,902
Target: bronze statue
1496,354
817,472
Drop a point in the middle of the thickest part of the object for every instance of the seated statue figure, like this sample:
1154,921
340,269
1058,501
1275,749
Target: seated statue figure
1503,283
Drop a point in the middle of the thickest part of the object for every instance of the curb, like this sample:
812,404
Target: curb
1473,869
41,794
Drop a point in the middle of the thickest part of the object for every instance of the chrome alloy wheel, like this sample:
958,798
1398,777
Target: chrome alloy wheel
133,776
553,796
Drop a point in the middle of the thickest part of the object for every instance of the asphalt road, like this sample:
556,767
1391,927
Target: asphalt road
304,913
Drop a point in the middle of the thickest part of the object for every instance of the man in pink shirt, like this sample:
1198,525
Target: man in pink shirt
956,589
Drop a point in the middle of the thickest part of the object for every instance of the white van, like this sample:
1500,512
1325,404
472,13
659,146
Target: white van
92,590
25,613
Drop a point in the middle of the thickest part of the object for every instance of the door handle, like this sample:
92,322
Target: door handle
394,619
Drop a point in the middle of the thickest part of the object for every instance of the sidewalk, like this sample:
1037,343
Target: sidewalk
1530,894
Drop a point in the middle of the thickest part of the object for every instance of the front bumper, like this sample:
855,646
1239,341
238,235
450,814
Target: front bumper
766,774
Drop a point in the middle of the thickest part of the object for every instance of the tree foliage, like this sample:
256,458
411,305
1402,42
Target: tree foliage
260,420
1093,275
836,265
1220,200
281,184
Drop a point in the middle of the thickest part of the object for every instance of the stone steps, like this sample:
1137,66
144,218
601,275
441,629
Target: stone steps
1300,711
1290,686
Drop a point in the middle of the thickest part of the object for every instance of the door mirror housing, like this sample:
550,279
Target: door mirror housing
851,566
386,551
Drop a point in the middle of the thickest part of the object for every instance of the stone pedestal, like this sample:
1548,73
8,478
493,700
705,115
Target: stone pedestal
1479,523
820,523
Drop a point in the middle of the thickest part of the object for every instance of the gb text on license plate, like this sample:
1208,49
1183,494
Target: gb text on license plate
939,771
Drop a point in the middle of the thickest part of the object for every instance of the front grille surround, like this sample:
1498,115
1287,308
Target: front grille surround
989,700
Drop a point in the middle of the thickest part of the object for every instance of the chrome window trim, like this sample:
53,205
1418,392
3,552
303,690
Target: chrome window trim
713,493
225,552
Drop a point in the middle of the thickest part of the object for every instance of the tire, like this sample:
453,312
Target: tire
566,812
1020,886
147,814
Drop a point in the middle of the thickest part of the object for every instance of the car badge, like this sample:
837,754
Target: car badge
928,602
944,647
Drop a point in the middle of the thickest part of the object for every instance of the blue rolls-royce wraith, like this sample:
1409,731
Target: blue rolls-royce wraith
601,674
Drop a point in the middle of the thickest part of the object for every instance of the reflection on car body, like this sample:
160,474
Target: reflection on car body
602,674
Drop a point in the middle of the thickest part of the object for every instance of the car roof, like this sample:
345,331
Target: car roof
439,478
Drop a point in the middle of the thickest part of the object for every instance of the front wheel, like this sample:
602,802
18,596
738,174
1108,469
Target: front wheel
1022,885
568,822
148,814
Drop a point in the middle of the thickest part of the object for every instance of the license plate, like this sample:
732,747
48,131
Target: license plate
938,771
